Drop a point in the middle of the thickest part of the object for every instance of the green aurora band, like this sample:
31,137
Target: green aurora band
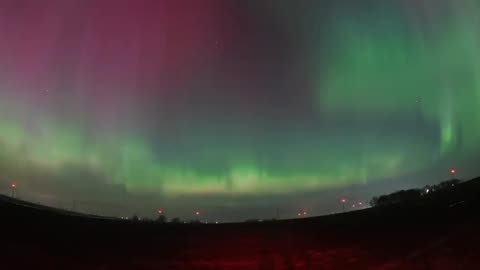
383,66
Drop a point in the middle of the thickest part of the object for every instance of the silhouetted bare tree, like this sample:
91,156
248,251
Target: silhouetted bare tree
162,219
176,221
411,194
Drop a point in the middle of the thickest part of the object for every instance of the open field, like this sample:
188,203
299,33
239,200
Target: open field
437,232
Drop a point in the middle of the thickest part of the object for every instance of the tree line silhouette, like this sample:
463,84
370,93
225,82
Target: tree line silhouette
402,196
396,197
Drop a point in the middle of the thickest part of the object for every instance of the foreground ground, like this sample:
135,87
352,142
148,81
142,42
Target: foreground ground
438,232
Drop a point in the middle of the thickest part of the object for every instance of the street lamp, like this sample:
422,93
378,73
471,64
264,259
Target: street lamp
13,186
453,172
302,213
343,200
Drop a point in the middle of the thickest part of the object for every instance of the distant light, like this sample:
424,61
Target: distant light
453,171
344,200
360,203
353,206
299,214
216,222
14,185
197,213
428,190
160,211
304,213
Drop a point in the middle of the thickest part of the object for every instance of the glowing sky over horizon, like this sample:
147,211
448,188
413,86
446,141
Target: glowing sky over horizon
235,103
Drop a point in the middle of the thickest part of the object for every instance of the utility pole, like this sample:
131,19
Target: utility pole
74,206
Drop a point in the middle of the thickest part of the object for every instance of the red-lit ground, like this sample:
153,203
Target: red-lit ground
457,249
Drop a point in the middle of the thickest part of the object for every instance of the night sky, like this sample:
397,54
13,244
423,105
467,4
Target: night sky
235,108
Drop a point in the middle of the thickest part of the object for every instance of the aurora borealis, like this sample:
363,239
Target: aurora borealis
237,105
